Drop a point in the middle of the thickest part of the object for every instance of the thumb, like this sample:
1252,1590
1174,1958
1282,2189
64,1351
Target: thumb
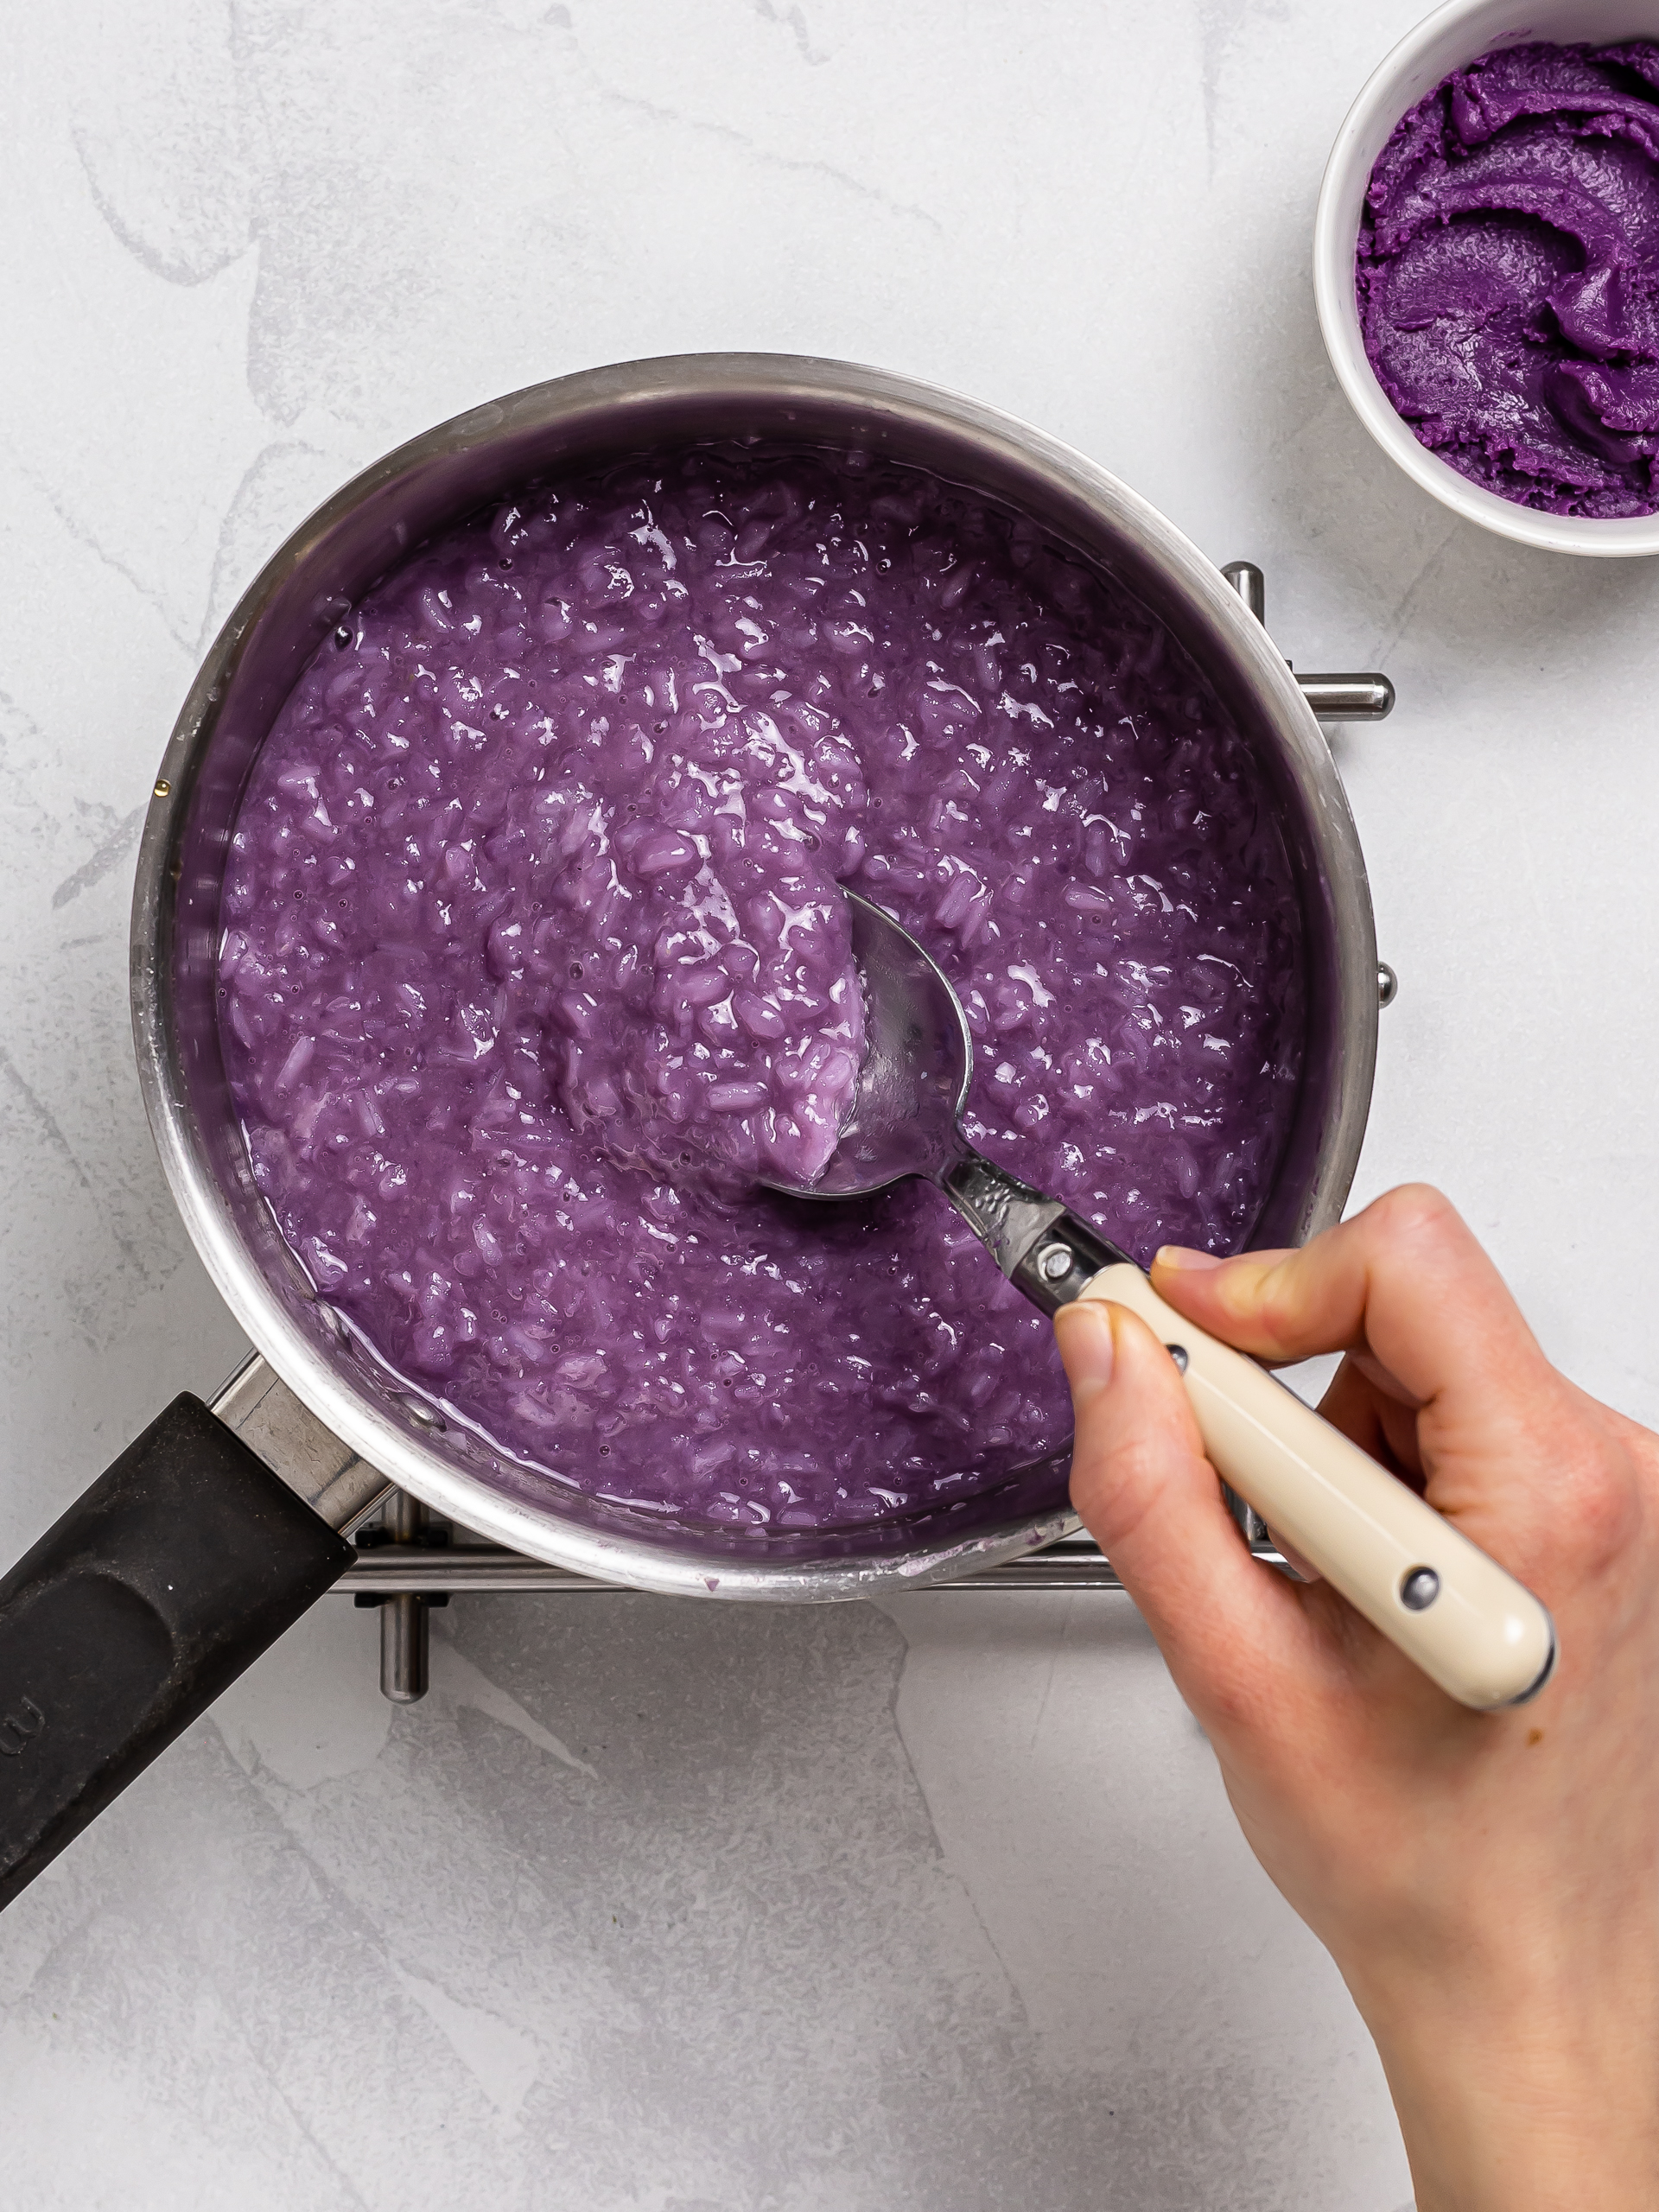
1152,1501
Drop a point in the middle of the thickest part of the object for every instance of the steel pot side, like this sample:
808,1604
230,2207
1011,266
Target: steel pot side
325,568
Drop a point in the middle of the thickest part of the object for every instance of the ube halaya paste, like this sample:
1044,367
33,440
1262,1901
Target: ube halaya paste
1508,275
535,956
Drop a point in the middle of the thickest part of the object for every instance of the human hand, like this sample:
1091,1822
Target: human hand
1487,1883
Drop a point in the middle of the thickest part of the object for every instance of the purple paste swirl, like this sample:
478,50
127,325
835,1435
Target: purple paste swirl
1508,275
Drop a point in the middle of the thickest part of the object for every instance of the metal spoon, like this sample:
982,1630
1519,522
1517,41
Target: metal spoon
1485,1639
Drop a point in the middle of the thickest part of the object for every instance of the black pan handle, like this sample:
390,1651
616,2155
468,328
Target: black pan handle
166,1579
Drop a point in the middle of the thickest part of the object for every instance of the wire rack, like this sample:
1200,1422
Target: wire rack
408,1561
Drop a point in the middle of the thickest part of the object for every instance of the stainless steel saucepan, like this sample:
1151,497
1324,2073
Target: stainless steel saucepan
189,1556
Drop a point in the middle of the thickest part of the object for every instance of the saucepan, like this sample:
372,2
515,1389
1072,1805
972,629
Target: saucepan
190,1555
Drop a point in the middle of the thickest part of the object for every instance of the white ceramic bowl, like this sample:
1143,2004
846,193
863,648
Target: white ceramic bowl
1452,36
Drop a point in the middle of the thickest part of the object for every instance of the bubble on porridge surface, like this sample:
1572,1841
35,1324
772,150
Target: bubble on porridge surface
534,956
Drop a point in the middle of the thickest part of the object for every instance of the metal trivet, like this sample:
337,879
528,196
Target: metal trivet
409,1559
404,1574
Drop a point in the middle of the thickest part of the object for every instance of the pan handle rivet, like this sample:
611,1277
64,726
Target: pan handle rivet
1055,1263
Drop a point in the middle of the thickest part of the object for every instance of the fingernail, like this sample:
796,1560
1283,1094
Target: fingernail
1086,1346
1181,1258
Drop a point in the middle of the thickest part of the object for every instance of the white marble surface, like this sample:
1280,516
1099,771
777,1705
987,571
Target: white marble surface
658,1908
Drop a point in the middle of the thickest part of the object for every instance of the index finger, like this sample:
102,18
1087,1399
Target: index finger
1405,1282
1404,1288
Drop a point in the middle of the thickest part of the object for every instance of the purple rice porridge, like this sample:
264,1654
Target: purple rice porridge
535,958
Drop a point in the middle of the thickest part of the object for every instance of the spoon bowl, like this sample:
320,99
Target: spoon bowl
918,1061
904,1120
